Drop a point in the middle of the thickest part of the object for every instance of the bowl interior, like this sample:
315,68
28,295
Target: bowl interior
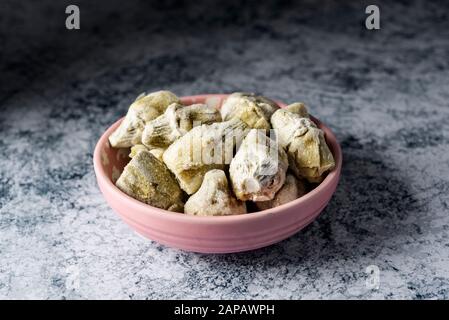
111,161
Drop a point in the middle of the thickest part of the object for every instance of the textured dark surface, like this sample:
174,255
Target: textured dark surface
384,93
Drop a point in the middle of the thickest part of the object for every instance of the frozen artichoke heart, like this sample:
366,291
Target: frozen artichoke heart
202,149
254,110
291,190
214,197
309,156
146,179
144,109
258,169
176,121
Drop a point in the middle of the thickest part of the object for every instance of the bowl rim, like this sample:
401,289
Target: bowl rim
133,204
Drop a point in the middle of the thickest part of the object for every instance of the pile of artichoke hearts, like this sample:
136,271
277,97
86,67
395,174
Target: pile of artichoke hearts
247,156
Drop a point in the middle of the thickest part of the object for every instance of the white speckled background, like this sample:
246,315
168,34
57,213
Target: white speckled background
384,93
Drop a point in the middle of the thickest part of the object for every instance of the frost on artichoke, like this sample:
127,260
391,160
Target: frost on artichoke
254,110
176,121
214,197
157,152
309,155
258,169
144,109
136,149
292,189
202,149
148,180
299,108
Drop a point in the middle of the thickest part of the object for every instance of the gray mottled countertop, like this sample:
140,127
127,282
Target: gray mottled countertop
384,93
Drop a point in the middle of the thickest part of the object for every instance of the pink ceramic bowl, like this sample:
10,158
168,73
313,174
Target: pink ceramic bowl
222,234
